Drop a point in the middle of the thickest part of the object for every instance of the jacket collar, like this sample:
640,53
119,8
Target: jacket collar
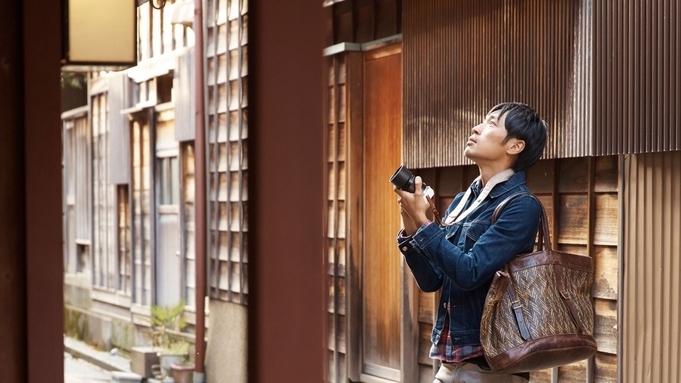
516,180
501,188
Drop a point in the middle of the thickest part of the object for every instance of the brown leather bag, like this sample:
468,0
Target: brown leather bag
538,312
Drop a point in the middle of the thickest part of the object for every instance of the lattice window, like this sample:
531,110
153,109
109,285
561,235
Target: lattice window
227,138
124,262
77,192
335,220
189,244
157,34
141,223
104,224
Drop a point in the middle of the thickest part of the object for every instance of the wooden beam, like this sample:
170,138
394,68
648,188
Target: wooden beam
355,207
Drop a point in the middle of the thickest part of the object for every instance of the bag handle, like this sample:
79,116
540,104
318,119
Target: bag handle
544,237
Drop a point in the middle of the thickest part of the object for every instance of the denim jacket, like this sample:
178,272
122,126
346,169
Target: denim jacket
462,259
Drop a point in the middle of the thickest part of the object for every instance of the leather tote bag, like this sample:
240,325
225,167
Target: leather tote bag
538,312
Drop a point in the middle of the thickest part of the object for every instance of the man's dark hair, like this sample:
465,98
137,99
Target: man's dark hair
523,123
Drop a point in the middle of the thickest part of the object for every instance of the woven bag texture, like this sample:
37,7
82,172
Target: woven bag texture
542,306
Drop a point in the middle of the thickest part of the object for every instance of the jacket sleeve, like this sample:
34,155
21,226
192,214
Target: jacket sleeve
512,234
427,276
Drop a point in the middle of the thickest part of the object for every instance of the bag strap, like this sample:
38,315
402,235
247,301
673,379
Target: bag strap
545,238
543,234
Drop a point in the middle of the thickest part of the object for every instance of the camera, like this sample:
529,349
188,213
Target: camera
404,179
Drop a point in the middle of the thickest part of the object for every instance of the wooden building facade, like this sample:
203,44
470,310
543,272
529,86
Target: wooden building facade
408,78
129,185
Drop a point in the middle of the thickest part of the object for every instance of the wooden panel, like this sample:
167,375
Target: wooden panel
446,92
605,325
606,274
607,219
539,178
636,47
382,261
451,182
652,283
119,127
183,82
355,213
424,343
426,305
575,372
573,219
606,175
606,368
573,175
542,376
226,106
426,373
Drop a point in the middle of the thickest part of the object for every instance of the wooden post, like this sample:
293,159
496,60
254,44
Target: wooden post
12,250
42,156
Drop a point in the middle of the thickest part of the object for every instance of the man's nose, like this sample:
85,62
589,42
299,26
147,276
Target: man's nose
477,129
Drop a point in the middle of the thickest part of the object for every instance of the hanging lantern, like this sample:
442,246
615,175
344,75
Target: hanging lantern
101,33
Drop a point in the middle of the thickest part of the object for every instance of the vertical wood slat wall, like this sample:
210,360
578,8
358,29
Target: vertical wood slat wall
227,142
123,240
141,213
651,338
336,217
461,58
189,222
637,61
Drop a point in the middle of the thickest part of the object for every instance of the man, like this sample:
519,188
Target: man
461,256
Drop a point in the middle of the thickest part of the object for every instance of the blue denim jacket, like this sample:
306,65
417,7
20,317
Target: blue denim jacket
463,258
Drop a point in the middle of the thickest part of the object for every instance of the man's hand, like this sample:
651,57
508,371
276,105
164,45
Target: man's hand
413,207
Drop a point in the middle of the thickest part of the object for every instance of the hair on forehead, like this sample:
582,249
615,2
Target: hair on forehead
523,123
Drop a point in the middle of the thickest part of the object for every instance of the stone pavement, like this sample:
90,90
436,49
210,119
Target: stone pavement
85,364
80,371
102,359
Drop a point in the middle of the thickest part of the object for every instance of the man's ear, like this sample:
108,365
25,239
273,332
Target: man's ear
516,147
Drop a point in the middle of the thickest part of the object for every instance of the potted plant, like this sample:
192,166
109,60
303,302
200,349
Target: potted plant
165,320
183,372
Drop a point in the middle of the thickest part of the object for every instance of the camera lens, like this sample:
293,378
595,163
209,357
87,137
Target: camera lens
403,179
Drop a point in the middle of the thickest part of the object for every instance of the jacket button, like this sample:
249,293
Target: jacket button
404,248
444,305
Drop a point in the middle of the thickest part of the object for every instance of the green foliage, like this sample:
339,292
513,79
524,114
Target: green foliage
73,80
165,320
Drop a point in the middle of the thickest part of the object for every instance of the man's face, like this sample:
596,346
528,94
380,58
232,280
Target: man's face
486,143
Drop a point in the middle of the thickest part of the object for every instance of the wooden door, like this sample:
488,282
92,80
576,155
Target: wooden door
381,327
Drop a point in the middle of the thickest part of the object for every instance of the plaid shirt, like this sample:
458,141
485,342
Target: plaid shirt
447,352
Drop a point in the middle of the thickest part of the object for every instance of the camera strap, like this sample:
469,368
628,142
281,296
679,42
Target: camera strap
456,215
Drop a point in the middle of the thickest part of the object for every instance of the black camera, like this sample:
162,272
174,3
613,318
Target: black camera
404,179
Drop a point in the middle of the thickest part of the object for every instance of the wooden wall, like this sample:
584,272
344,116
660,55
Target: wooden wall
651,340
336,219
227,136
583,193
76,190
463,57
636,47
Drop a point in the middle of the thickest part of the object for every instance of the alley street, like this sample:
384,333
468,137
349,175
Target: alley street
80,371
